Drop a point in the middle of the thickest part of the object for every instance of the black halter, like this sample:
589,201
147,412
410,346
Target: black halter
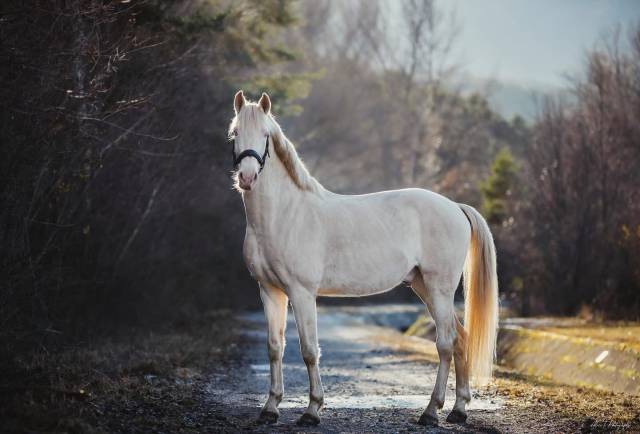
251,153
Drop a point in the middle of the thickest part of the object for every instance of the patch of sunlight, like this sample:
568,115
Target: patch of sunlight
261,370
232,397
389,401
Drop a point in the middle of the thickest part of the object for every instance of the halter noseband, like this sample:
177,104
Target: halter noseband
251,153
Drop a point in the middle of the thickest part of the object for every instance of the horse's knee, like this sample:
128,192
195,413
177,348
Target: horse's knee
310,354
274,353
275,349
310,357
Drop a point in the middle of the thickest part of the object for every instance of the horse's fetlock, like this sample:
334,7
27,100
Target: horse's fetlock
437,401
318,398
464,394
277,396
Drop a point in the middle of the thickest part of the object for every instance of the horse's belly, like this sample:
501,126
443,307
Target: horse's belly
352,292
352,275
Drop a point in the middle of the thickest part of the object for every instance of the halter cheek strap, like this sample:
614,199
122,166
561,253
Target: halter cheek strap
251,153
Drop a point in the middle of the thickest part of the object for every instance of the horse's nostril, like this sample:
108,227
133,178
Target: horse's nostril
246,179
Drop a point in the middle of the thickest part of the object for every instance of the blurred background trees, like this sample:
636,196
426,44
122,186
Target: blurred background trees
115,170
116,199
585,172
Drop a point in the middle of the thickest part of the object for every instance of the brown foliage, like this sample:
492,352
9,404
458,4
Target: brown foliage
584,165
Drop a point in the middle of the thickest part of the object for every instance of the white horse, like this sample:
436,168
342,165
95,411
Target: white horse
303,241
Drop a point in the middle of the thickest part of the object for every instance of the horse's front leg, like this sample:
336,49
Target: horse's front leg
304,309
275,309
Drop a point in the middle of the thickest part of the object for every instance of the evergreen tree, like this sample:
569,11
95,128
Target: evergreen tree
498,186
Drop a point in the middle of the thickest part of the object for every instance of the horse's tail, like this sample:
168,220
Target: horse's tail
480,298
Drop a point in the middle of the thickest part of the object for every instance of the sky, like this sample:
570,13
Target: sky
534,42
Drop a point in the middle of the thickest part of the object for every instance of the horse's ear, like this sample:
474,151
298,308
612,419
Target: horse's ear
238,101
265,103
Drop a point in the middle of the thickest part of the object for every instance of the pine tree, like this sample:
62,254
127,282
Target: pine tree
498,186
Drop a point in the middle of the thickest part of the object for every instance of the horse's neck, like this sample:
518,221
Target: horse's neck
274,193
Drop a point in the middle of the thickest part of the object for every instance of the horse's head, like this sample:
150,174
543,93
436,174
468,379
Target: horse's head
250,130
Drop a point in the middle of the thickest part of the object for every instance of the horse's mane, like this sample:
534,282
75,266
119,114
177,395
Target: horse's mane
283,148
296,169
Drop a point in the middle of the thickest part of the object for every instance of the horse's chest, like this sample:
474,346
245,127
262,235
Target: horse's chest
264,261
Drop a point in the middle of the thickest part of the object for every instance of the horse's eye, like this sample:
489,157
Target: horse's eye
234,133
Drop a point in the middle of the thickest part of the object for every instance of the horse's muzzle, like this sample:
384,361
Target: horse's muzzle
246,181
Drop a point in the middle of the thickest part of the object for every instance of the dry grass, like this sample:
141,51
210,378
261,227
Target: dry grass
591,410
620,333
145,380
583,409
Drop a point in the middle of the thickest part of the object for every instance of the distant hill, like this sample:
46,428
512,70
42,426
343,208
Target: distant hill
510,99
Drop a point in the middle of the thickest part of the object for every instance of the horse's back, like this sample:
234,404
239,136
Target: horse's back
412,208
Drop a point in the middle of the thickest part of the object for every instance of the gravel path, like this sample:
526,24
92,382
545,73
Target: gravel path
210,376
374,381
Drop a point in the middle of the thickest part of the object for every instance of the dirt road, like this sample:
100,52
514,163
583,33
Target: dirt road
377,380
209,375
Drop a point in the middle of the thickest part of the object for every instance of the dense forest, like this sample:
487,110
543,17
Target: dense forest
117,207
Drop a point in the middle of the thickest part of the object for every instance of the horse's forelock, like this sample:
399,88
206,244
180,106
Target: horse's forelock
251,116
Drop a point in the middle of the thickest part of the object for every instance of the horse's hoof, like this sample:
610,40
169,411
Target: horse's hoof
268,417
457,416
428,420
308,419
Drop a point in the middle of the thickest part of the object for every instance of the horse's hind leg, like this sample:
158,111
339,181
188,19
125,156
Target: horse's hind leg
463,395
275,309
438,294
304,309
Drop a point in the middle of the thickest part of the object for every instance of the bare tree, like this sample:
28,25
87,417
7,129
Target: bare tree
584,166
409,44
